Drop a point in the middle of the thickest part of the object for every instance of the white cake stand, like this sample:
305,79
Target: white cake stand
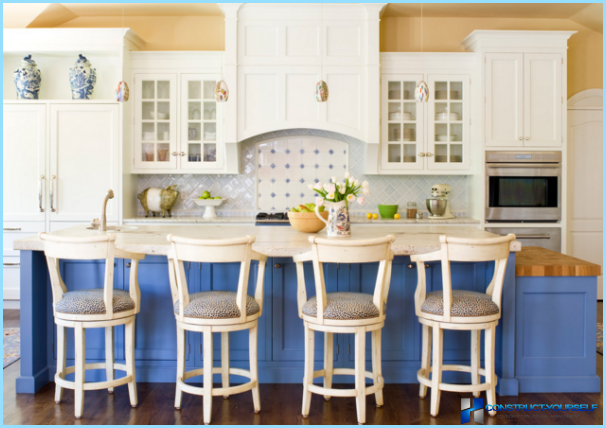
210,205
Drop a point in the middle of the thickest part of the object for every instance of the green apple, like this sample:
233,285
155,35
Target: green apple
205,195
217,197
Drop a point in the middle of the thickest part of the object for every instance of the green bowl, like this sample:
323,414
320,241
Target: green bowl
388,211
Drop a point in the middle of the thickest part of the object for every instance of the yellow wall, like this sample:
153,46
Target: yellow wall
445,35
165,33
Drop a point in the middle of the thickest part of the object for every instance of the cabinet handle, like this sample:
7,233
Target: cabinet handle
40,195
11,228
429,155
527,138
52,193
177,153
277,265
127,265
421,154
11,264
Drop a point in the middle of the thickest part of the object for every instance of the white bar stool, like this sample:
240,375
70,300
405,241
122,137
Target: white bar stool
460,310
93,308
344,312
209,312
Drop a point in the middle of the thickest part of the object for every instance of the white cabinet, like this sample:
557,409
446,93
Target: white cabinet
155,127
24,162
425,137
84,161
523,100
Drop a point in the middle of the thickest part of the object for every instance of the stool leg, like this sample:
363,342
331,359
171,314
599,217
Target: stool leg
328,361
425,358
80,368
376,364
489,363
309,369
254,368
180,365
61,342
208,374
109,356
360,368
436,377
475,359
225,360
129,355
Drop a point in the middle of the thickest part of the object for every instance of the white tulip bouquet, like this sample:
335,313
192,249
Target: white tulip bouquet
349,190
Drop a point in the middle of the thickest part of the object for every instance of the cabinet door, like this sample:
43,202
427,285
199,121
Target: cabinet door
448,130
85,161
504,99
155,121
543,100
24,162
401,123
201,123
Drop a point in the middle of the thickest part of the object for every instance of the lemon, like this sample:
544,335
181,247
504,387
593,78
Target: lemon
369,216
396,216
375,216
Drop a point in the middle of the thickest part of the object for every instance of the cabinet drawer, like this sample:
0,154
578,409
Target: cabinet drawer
17,230
10,278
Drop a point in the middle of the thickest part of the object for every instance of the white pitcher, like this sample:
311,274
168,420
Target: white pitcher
338,218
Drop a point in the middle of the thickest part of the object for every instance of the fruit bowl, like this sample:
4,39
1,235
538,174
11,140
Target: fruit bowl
307,222
210,205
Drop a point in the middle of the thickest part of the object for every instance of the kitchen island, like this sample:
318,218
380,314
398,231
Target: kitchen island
280,330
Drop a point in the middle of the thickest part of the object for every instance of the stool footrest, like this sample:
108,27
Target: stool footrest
424,380
316,389
92,386
197,390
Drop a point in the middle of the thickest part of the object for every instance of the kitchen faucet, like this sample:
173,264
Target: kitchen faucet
103,225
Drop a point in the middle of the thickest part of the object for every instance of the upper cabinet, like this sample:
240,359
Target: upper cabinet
524,87
524,100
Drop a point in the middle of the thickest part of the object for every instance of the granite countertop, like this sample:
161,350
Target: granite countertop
271,241
251,220
537,261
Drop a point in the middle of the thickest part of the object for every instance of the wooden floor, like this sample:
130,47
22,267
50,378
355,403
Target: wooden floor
281,404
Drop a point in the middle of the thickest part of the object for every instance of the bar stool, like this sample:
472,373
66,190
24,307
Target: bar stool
449,309
209,312
344,312
92,308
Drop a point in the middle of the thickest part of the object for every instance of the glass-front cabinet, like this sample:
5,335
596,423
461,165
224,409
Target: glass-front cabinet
402,123
425,136
200,120
155,121
177,124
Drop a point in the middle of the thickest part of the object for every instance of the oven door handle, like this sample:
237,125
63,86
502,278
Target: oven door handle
537,236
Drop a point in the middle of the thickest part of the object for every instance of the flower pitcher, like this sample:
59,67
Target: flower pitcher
338,218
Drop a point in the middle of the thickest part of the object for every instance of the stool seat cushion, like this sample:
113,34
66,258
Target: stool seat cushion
344,306
216,305
464,304
90,302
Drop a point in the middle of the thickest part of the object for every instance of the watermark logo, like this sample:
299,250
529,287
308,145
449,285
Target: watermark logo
469,406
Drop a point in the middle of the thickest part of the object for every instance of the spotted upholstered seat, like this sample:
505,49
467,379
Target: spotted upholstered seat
344,306
216,305
464,304
90,302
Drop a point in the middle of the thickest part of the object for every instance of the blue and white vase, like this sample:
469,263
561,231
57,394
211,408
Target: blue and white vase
82,79
27,79
338,219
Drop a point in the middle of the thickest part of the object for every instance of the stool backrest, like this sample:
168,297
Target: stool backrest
100,247
325,250
465,250
210,251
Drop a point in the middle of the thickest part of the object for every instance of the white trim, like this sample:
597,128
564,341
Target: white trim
589,99
11,304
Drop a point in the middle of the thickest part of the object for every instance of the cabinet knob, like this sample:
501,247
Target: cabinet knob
421,155
527,138
426,266
182,153
410,266
177,153
520,138
277,265
128,265
429,155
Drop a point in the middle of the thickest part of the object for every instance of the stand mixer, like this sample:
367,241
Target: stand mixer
438,205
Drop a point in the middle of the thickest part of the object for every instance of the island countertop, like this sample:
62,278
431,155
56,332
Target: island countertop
271,241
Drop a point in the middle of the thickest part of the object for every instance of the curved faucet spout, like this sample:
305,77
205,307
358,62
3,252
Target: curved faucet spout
103,225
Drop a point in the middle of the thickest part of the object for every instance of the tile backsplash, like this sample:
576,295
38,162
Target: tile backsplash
278,167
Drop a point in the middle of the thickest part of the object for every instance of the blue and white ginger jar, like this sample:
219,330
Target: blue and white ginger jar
27,79
82,79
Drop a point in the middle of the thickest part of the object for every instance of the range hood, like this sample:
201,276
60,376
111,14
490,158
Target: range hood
276,53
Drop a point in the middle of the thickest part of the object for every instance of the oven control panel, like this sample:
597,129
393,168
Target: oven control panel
515,157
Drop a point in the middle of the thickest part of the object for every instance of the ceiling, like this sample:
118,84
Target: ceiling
43,15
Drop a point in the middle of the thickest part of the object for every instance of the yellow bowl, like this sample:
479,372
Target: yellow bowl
307,222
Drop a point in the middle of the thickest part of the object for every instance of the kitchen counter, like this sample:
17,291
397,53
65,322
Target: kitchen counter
251,219
537,261
271,241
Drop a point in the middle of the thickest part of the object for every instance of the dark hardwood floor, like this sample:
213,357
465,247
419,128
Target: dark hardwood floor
281,405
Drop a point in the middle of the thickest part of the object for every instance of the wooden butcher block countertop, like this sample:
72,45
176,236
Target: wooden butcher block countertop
537,261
